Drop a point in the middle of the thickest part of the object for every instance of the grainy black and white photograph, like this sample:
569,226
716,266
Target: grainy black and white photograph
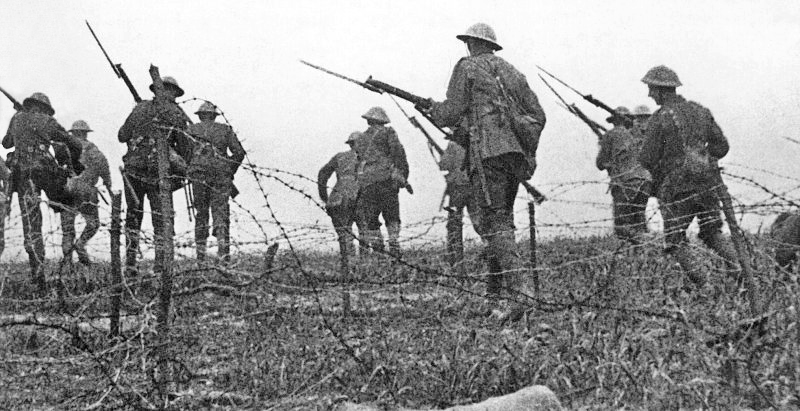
399,205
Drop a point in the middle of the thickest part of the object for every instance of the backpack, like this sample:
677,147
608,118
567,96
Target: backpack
696,165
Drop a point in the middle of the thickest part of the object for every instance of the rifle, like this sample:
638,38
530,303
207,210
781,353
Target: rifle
537,195
572,108
17,105
628,119
117,68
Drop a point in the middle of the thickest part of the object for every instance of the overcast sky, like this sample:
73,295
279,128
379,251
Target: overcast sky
740,59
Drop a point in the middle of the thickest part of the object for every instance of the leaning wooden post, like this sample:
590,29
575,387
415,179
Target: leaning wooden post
164,244
116,265
532,229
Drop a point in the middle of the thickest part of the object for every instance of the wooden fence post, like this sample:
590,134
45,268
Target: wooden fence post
116,265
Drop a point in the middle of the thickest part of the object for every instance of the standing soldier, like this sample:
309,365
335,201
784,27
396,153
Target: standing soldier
341,204
32,132
83,189
504,120
141,129
460,195
681,149
630,182
382,171
211,173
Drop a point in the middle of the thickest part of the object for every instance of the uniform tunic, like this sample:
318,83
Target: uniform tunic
211,171
341,203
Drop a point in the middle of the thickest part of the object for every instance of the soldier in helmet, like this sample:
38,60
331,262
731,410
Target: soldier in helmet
211,172
341,203
147,123
382,171
641,114
681,149
32,131
491,98
630,182
460,198
85,196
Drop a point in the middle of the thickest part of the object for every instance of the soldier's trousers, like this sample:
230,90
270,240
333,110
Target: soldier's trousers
630,203
213,196
374,200
89,212
678,212
496,199
461,197
133,222
343,218
28,196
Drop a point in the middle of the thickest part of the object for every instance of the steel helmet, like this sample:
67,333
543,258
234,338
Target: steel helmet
661,76
376,114
353,137
80,125
642,110
481,31
620,111
170,81
41,99
207,107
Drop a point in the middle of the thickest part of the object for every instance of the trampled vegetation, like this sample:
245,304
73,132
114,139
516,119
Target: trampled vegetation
610,328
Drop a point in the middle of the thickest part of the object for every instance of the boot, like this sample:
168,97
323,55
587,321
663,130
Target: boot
394,239
687,262
201,250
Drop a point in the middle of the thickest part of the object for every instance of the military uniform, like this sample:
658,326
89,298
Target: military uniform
211,172
679,135
341,203
32,133
630,182
83,189
477,97
382,170
140,131
461,197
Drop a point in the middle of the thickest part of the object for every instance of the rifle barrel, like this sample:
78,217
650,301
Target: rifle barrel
17,105
343,77
103,49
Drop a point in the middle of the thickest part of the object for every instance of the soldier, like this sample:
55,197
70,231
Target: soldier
32,132
504,120
211,172
641,114
341,204
82,188
382,171
141,129
630,182
681,149
460,194
785,232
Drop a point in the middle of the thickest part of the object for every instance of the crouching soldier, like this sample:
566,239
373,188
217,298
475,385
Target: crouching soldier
211,173
341,203
785,233
85,196
32,131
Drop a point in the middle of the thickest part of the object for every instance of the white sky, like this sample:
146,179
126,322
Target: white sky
740,59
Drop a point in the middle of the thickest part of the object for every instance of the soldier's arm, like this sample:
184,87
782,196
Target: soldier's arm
140,115
397,153
237,151
8,140
604,155
717,143
323,176
653,146
448,113
530,102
